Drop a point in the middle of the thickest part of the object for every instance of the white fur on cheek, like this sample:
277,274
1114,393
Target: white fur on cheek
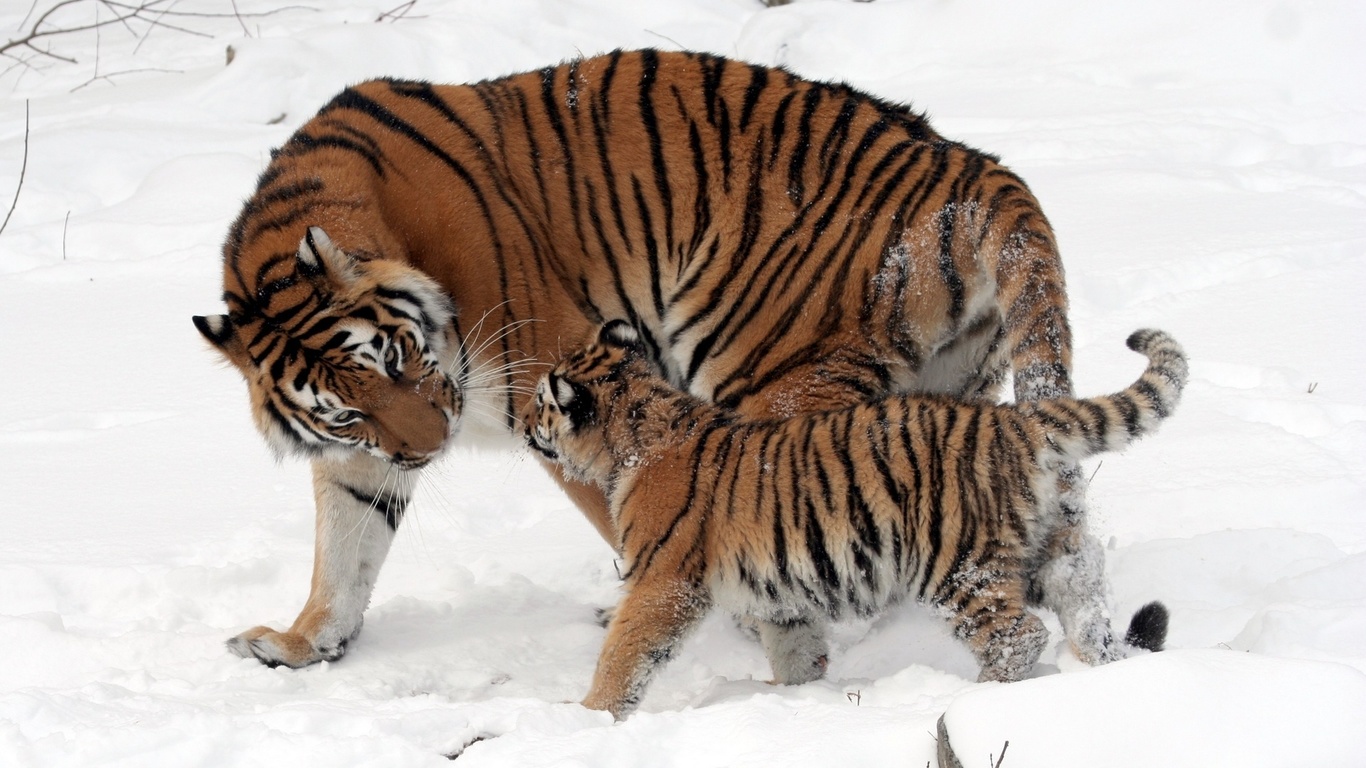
564,393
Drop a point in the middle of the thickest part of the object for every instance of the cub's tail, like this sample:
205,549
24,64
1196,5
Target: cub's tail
1076,429
1148,627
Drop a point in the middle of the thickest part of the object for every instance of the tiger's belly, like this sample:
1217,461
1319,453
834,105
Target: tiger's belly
841,584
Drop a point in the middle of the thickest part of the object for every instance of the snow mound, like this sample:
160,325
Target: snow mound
1200,707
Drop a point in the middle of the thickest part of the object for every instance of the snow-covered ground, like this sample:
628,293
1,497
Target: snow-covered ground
1204,165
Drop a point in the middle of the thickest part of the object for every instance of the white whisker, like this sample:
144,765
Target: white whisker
364,523
498,335
516,366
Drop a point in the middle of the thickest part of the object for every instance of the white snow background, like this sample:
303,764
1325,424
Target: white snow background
1204,165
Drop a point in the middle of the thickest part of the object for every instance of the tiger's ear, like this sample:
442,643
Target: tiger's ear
222,334
619,333
319,256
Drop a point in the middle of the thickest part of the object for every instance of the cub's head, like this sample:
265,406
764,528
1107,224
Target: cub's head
568,418
341,354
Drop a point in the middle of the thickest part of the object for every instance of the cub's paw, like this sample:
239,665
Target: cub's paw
287,649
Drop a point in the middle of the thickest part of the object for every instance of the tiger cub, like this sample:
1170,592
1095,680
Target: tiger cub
833,514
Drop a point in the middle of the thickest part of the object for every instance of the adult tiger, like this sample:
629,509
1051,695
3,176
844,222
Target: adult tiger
780,245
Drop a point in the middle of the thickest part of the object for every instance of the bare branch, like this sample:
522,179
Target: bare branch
22,169
110,77
153,13
36,32
398,12
240,20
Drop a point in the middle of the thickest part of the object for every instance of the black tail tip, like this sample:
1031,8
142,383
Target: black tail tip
1148,627
1139,340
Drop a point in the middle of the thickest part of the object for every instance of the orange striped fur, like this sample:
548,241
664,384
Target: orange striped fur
821,516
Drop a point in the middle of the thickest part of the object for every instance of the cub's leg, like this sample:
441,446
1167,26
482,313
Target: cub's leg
645,631
360,503
991,618
1008,646
797,650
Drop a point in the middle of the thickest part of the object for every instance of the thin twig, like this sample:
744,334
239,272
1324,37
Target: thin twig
65,222
22,169
240,20
398,12
154,13
32,7
1002,757
109,77
681,47
1094,471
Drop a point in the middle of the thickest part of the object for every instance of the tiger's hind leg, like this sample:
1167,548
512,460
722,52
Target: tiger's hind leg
1071,582
991,617
652,619
797,650
1008,646
360,503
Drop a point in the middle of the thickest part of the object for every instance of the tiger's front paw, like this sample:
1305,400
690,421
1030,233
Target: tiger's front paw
288,649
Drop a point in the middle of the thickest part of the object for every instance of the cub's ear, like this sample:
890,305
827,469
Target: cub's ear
319,256
619,333
222,334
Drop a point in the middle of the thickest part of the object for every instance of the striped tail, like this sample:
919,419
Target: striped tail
1076,429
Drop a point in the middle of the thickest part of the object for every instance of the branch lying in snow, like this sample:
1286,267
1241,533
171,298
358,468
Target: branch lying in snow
399,12
22,169
152,13
997,764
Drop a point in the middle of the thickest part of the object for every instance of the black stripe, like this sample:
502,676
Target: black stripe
1146,388
936,471
797,160
758,81
302,145
649,64
779,126
391,505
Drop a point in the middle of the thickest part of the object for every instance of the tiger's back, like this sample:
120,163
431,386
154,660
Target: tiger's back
712,204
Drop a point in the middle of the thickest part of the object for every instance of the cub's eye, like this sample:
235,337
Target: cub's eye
346,416
392,363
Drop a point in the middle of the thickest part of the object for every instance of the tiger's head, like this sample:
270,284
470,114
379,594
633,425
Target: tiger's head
343,355
569,418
